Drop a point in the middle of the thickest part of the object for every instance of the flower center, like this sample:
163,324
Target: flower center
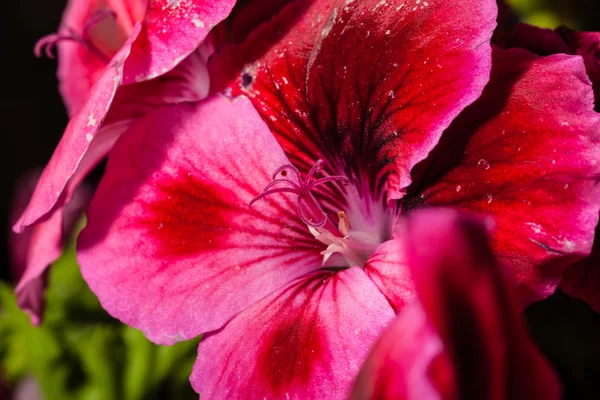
348,247
49,42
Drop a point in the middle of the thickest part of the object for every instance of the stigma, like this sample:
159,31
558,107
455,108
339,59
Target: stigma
309,209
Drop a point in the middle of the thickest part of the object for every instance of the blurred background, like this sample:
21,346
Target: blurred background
80,352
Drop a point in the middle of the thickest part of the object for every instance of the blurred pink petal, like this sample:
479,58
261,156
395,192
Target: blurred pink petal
464,337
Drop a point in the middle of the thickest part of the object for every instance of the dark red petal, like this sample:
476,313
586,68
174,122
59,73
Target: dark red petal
526,153
582,280
562,40
306,341
173,29
543,42
172,246
367,85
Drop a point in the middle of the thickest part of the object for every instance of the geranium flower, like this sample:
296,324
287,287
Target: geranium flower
463,338
103,44
170,32
278,239
582,279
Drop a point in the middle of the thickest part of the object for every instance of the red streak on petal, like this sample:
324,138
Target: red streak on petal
295,347
189,217
289,355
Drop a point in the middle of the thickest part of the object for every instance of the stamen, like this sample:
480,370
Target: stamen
48,43
309,209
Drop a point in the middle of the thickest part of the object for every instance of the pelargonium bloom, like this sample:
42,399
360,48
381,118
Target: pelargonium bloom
464,337
170,32
582,279
96,43
277,212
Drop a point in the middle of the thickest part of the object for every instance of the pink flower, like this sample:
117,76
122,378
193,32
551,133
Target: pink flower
582,279
170,32
463,338
103,45
270,222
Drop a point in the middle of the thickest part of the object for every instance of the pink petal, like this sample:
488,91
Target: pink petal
525,154
128,11
172,246
78,68
369,85
77,139
38,246
400,364
44,246
91,133
173,29
305,341
387,268
481,350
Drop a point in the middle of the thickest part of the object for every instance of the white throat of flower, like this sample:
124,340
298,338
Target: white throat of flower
356,247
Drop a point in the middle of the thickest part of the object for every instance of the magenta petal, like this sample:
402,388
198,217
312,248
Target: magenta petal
400,364
172,246
369,85
464,339
305,341
172,31
474,310
56,185
40,245
526,153
388,269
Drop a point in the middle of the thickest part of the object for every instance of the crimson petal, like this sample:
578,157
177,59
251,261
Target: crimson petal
525,153
366,85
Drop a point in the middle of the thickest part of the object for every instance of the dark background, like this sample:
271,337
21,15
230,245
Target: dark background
32,117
